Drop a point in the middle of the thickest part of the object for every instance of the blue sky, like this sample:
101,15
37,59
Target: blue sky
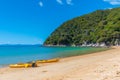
32,21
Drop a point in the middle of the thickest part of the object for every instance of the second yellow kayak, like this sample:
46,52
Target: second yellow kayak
47,61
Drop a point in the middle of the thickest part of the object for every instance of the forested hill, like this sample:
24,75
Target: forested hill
101,26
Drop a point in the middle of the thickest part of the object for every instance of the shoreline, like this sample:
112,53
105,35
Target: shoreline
67,57
95,66
84,53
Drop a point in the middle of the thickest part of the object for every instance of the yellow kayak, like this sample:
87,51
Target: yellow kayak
23,65
47,61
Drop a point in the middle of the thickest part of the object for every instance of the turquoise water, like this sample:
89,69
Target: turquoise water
16,54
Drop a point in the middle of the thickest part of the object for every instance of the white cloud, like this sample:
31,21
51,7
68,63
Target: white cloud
69,2
41,3
113,2
59,1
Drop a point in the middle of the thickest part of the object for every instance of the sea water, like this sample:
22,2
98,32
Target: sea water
24,53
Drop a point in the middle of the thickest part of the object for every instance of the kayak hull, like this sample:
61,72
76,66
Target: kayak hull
20,65
47,61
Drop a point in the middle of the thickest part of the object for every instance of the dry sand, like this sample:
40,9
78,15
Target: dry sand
97,66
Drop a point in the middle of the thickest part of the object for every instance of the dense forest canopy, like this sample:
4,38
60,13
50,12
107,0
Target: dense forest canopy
101,26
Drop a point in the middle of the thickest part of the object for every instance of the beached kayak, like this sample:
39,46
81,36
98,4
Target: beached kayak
47,61
22,65
32,64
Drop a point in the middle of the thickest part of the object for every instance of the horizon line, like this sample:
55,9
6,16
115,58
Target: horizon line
21,44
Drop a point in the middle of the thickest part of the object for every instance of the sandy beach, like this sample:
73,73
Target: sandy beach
97,66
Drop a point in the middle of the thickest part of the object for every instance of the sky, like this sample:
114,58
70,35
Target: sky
32,21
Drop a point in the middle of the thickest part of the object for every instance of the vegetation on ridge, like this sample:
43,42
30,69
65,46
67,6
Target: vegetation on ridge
101,26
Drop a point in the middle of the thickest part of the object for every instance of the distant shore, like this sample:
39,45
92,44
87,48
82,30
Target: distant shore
98,66
83,45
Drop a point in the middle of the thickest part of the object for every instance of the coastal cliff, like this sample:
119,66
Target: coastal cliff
101,27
